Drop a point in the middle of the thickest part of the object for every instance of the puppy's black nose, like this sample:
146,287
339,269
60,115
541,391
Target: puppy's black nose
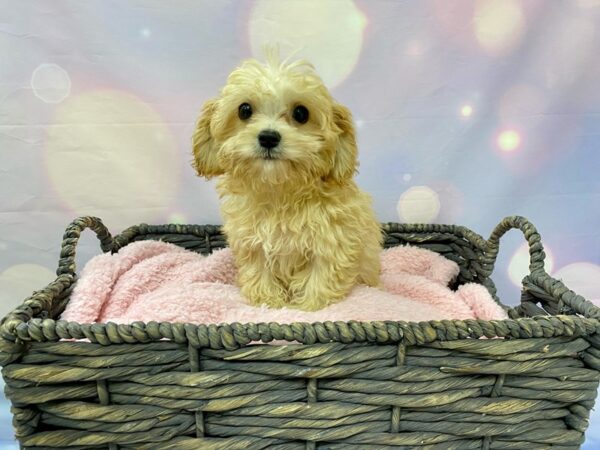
269,138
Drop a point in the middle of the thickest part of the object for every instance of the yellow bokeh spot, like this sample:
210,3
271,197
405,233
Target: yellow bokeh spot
466,111
111,155
498,24
518,267
509,140
419,204
329,34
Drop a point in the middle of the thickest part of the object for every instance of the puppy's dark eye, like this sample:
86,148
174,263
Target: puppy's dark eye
245,111
300,114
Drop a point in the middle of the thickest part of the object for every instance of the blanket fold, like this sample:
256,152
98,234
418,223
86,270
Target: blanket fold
157,281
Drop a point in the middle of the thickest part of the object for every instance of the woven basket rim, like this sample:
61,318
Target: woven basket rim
22,325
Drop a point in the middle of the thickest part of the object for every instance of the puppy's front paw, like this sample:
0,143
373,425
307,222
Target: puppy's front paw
316,295
326,280
260,288
315,302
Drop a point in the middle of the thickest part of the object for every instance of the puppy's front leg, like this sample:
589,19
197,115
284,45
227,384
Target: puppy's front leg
260,286
324,282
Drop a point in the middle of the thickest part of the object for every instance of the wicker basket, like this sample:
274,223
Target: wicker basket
377,385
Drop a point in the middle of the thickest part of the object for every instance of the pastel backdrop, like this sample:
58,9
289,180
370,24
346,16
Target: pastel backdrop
466,111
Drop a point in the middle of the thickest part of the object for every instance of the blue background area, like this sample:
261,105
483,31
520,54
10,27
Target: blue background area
7,441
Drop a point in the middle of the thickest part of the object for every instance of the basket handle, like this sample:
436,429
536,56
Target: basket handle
536,249
66,263
44,300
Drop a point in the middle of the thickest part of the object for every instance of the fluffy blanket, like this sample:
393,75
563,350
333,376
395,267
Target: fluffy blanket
153,280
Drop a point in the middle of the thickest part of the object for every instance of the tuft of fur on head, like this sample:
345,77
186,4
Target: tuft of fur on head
324,148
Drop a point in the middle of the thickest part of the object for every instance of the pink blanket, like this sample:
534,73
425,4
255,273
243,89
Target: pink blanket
152,280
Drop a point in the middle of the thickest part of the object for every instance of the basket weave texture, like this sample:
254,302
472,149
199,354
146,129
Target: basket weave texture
335,385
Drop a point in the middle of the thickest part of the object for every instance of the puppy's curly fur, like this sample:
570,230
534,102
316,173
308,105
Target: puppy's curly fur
301,231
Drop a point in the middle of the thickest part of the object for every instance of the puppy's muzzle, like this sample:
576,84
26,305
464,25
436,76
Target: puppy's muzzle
269,139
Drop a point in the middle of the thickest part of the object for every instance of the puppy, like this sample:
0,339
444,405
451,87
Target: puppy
301,231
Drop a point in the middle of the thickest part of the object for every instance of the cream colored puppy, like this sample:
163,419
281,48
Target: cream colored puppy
301,231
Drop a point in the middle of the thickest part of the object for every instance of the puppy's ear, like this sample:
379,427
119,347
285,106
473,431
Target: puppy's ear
345,162
204,148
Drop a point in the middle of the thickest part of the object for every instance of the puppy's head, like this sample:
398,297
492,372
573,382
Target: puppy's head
275,123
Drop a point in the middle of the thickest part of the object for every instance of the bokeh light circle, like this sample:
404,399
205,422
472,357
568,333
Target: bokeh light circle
518,267
498,25
50,83
581,277
466,111
329,34
451,199
111,155
508,140
419,204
